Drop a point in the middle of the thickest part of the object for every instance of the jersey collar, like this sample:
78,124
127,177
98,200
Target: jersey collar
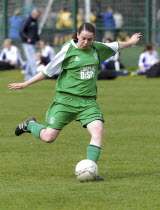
74,44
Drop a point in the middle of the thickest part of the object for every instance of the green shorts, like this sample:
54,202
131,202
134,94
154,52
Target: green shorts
66,108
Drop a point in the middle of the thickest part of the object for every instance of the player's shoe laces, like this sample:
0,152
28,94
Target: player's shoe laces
98,178
22,127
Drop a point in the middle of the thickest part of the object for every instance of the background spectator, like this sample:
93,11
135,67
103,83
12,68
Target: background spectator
118,18
147,59
64,22
46,50
29,36
14,26
122,36
80,17
113,63
10,57
93,17
41,62
109,23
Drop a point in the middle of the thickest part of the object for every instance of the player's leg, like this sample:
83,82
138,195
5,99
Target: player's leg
92,118
57,117
95,128
40,131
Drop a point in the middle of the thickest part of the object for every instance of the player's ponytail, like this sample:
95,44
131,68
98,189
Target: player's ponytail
74,37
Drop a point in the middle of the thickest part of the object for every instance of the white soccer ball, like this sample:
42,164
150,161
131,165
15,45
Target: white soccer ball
86,170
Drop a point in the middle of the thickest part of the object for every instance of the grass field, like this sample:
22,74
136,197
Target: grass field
39,176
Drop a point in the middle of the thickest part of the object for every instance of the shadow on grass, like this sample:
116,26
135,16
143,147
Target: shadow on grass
131,174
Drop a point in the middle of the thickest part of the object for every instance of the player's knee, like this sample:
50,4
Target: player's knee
49,139
98,131
48,136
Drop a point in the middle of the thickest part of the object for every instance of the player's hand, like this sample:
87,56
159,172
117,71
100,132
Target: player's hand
133,41
135,38
16,86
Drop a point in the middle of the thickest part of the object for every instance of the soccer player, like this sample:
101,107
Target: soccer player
75,99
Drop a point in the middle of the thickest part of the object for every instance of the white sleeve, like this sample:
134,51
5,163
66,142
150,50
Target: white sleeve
141,60
55,66
113,45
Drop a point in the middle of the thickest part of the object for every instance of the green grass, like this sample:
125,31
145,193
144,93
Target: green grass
35,175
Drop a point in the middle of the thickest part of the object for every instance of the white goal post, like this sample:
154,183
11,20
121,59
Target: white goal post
49,5
87,10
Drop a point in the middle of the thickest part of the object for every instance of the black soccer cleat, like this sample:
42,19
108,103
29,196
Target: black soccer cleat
98,178
22,128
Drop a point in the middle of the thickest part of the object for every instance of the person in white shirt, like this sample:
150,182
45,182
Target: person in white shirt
112,62
10,57
118,18
46,50
147,59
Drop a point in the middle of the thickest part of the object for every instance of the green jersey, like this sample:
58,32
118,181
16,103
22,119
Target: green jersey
79,68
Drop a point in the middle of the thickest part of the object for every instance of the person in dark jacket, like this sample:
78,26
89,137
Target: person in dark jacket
29,37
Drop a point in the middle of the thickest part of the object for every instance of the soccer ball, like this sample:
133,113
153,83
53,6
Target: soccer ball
86,170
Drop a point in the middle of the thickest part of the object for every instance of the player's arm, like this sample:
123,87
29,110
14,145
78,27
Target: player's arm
52,68
22,85
133,41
